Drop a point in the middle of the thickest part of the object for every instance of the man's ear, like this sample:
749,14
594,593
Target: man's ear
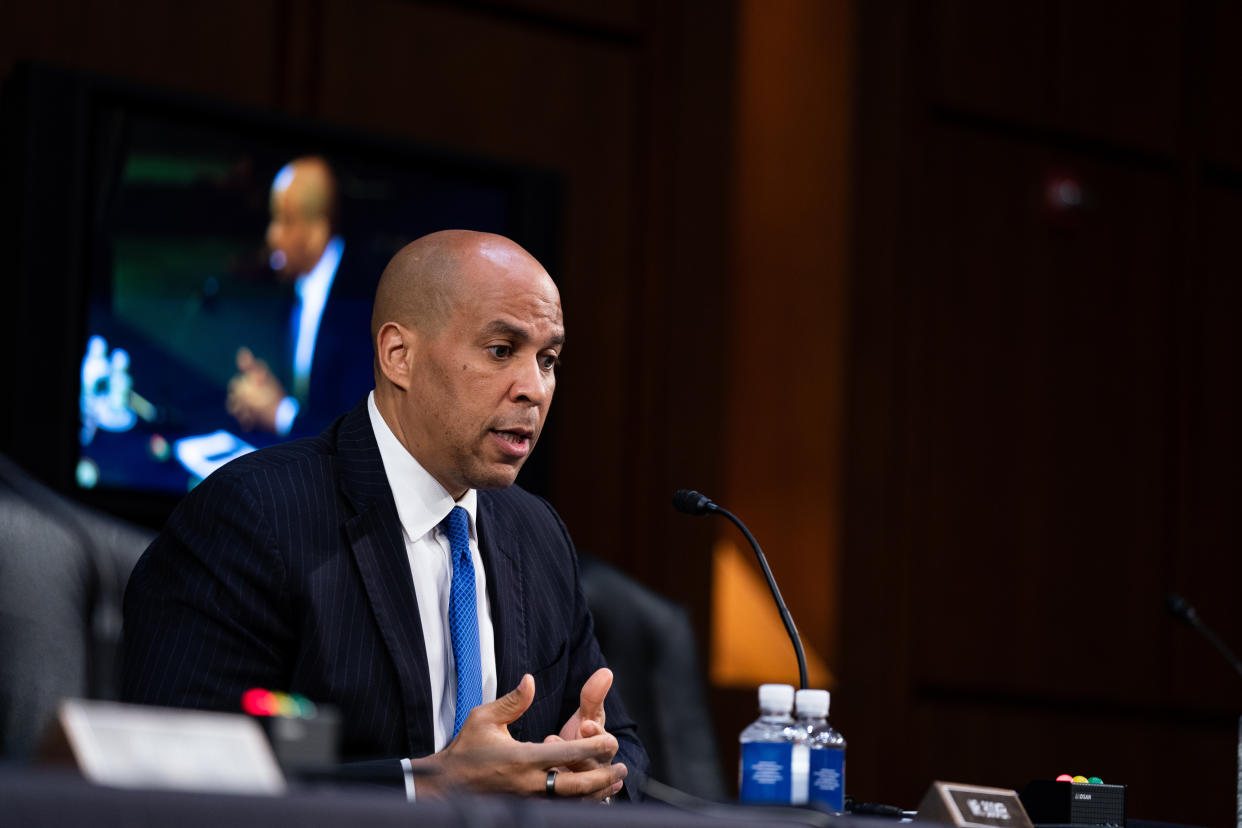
394,347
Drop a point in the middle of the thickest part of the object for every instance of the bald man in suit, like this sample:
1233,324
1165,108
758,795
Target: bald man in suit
295,390
322,566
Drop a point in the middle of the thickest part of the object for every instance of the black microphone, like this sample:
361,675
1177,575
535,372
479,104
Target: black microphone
693,503
1182,609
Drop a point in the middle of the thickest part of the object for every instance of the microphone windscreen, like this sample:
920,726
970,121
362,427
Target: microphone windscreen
691,502
1178,606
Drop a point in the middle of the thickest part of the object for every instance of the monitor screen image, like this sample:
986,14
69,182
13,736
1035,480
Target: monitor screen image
225,267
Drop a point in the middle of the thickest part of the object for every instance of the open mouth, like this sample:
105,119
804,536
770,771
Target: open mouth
514,441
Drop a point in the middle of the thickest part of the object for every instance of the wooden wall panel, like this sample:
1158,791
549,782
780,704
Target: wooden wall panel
231,49
786,345
1120,71
1206,570
988,57
1106,70
1043,401
1217,69
1041,374
677,380
617,15
872,705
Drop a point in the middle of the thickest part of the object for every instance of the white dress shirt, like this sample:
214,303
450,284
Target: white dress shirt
422,503
312,290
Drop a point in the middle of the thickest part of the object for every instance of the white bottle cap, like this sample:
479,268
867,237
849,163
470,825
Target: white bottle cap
813,703
776,697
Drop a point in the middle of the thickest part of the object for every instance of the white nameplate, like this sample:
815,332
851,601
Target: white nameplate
131,746
972,806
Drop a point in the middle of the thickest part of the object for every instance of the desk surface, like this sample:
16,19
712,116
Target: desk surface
42,798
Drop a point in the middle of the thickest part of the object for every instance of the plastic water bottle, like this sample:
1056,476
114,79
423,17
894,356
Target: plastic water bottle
765,772
825,751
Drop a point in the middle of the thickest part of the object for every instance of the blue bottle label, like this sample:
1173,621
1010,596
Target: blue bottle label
766,773
827,783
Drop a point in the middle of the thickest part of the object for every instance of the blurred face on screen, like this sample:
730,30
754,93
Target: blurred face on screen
482,374
302,206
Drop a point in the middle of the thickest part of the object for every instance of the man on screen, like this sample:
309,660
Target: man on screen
272,392
390,567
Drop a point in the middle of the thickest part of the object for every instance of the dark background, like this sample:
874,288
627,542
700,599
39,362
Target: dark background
939,296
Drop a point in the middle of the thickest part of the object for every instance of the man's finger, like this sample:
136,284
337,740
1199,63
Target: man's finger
594,784
245,359
509,707
594,691
560,753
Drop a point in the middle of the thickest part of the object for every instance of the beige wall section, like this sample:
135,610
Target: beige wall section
786,343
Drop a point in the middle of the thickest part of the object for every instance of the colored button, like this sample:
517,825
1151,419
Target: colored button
1065,777
1081,780
1095,780
259,702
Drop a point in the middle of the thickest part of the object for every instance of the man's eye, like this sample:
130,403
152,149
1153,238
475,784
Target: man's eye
550,361
500,351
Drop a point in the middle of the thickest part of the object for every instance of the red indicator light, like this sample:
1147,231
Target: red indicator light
259,702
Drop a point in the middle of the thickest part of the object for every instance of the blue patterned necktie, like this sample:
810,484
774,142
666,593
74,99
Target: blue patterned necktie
463,618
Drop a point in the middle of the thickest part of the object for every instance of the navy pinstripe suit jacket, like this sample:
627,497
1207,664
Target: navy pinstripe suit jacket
286,569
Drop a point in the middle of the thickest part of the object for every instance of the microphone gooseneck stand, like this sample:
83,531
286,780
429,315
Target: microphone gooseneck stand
693,503
1182,609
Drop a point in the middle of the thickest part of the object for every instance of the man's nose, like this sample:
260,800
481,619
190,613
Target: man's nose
531,383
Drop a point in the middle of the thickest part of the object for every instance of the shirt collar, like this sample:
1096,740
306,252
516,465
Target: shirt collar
313,287
422,503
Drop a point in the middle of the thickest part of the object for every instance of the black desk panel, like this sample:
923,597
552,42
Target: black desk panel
40,798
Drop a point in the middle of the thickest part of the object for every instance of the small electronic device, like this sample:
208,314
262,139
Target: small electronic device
1086,802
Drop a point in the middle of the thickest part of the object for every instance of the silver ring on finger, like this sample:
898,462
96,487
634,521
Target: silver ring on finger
549,787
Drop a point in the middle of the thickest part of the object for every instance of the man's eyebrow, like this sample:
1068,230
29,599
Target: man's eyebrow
501,328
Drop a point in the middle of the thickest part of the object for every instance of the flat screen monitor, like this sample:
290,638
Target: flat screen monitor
195,280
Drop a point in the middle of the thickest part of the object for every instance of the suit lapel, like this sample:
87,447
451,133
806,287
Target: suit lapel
507,595
375,539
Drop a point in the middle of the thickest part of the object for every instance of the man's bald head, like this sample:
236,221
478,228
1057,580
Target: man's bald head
468,333
311,185
421,285
303,215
